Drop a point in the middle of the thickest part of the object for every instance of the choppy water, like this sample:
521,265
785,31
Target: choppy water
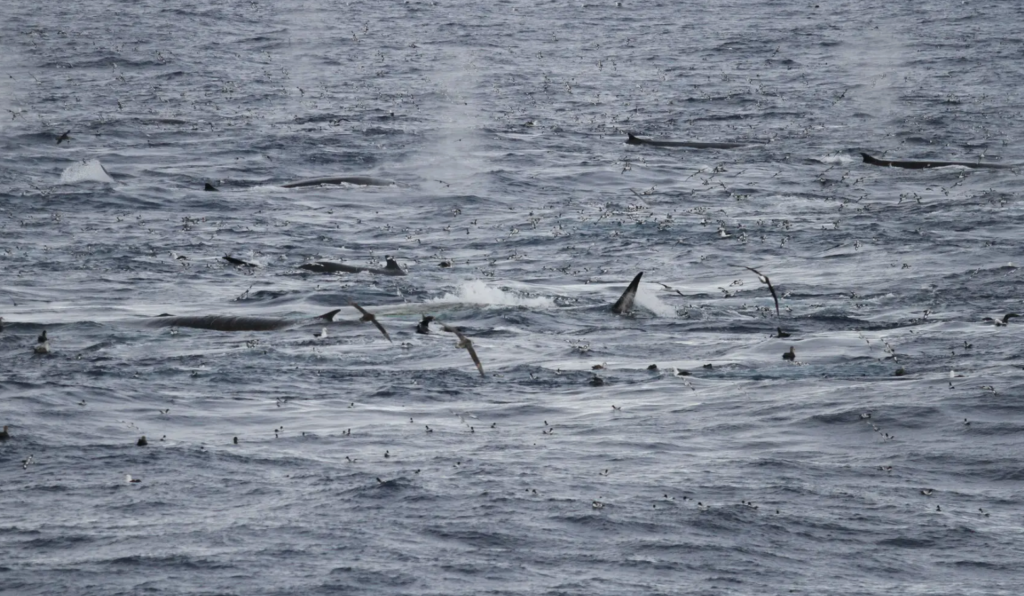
503,126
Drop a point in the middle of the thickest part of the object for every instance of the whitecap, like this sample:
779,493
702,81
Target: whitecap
477,292
86,171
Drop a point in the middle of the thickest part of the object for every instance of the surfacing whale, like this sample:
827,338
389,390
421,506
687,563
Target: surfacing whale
922,165
634,140
625,302
231,323
357,180
392,268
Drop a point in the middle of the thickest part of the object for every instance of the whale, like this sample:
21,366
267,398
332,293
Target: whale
392,268
357,180
923,165
235,323
625,302
634,140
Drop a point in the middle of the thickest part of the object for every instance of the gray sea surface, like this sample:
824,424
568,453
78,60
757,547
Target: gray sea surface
886,458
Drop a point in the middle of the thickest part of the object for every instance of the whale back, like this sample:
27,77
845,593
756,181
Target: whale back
923,165
357,180
222,323
233,323
329,267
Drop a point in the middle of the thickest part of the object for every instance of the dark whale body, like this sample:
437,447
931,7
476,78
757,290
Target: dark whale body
634,140
625,302
923,165
329,267
357,180
231,323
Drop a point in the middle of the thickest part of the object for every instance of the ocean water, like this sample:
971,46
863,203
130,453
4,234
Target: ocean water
364,466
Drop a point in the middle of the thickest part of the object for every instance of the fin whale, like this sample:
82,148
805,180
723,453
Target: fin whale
625,302
634,140
392,268
231,323
357,180
923,165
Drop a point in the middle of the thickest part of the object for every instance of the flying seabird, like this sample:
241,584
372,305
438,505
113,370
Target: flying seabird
369,317
790,355
424,325
465,343
764,279
1001,322
64,137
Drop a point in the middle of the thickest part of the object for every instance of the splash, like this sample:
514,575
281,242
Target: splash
477,292
651,302
86,171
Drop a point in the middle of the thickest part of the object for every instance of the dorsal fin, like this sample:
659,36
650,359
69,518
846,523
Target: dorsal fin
632,140
625,302
329,316
210,187
392,263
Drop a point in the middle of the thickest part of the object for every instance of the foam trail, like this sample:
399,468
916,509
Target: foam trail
477,292
86,171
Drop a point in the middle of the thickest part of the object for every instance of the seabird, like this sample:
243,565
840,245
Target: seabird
142,442
369,317
322,334
1001,322
926,492
64,137
596,381
424,325
764,279
465,343
4,435
790,355
652,367
128,478
43,347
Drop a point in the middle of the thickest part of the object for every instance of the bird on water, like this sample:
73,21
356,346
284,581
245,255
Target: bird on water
790,355
1001,322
